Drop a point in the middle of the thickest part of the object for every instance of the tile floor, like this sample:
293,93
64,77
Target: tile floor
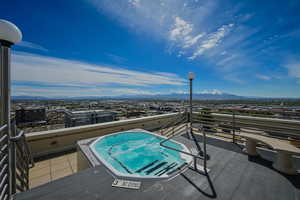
51,169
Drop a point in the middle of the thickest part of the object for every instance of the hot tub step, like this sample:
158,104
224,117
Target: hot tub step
147,166
178,168
155,168
167,168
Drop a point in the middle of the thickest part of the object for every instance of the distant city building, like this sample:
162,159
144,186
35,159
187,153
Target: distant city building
30,116
79,118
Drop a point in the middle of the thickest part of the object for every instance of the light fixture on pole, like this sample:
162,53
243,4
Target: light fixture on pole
9,35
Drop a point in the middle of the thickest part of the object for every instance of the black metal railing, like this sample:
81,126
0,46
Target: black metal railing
184,125
4,163
229,125
15,161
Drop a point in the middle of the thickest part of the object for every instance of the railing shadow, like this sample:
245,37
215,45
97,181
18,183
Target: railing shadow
213,193
218,143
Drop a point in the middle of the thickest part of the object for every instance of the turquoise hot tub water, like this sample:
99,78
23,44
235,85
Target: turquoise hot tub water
139,154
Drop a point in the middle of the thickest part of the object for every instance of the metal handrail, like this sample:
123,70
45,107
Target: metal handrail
16,157
18,137
21,137
187,153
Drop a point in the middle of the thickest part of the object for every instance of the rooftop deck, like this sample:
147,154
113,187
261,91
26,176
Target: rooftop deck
233,175
53,168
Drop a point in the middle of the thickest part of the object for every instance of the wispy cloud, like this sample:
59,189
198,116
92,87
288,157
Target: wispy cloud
212,41
205,31
214,91
263,77
50,71
293,68
181,33
21,90
31,45
190,27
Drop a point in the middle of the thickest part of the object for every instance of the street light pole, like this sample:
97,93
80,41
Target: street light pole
9,35
191,77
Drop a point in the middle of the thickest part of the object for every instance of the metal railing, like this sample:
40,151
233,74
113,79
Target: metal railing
177,130
230,124
15,161
4,164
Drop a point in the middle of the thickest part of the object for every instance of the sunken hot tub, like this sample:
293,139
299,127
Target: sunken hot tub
137,154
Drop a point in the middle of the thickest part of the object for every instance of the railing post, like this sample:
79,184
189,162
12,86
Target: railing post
233,126
204,151
13,158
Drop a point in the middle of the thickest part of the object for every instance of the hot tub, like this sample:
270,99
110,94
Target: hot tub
137,154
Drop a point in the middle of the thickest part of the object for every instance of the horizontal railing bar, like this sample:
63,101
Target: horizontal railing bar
175,129
170,132
240,120
5,146
2,139
3,127
237,121
258,127
4,190
3,159
215,131
21,189
226,136
2,172
18,137
237,134
181,129
172,129
2,183
20,167
3,152
19,158
213,120
21,179
180,119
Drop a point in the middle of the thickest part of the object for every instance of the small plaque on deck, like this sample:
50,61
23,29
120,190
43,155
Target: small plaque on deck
126,184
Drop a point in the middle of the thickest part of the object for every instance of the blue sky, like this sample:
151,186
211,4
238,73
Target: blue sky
110,48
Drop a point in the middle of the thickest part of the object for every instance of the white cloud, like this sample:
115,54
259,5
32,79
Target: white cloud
212,40
31,45
171,20
190,41
51,70
181,29
135,3
263,77
19,90
214,91
294,69
216,31
182,34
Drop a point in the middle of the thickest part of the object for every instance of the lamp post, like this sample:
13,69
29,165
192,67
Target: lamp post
9,35
191,76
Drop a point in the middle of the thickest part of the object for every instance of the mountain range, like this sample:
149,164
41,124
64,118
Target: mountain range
198,96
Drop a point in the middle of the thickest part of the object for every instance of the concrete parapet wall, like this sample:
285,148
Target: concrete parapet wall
55,141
